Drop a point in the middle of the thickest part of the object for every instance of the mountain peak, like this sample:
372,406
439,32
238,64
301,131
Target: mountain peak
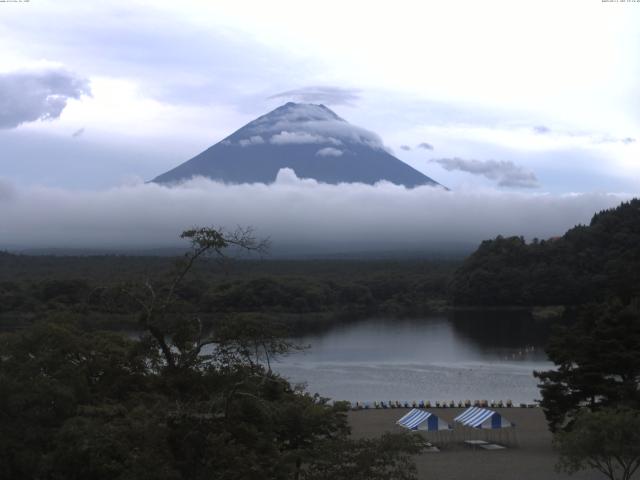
298,113
308,138
300,123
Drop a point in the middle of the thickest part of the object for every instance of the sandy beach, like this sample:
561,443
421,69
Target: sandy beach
532,458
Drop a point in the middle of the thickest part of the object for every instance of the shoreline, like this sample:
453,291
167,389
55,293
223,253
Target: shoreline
443,405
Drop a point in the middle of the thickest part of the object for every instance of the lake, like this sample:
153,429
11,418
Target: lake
466,355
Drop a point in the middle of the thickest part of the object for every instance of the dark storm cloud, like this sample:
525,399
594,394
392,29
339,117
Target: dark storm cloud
425,146
506,173
26,96
321,94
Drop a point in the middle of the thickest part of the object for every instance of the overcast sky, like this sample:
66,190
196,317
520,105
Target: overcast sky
511,97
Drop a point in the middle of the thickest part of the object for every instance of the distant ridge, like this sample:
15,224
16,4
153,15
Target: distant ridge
310,139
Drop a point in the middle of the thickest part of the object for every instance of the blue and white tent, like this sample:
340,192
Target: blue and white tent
476,417
418,419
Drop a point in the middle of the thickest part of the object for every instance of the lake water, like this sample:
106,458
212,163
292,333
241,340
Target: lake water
468,355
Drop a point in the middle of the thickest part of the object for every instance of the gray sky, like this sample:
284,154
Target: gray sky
489,98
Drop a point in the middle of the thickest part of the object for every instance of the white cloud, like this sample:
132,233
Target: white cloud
307,123
292,212
253,140
330,95
284,138
329,152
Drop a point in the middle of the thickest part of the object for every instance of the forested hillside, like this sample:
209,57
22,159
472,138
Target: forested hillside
588,263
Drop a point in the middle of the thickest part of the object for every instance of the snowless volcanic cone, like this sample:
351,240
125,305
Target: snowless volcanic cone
310,139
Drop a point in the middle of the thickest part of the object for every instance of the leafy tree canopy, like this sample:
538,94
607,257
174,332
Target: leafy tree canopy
588,263
607,440
181,402
597,363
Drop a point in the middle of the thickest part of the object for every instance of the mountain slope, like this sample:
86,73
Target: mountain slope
310,139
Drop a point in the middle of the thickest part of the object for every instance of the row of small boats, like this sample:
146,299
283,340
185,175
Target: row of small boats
440,404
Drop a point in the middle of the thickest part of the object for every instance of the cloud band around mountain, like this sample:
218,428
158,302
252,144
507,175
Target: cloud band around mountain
321,94
301,213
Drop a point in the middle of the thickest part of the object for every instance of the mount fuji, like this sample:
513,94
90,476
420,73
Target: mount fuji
309,139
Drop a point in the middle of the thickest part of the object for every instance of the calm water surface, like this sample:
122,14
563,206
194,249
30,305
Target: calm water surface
466,356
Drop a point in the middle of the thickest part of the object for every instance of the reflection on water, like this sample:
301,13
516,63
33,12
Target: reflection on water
466,356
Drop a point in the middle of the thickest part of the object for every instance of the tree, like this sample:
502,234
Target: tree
607,440
588,263
156,300
253,338
78,404
598,363
387,457
52,373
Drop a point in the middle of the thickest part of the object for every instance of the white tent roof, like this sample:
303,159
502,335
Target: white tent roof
477,417
418,419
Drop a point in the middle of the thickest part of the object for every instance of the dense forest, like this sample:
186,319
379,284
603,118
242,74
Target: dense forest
588,263
181,401
305,295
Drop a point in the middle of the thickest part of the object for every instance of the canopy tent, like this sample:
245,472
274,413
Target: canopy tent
418,419
476,417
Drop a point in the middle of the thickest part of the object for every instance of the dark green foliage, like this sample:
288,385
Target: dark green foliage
597,363
306,295
607,440
589,263
181,402
12,297
108,444
47,373
68,292
378,459
78,405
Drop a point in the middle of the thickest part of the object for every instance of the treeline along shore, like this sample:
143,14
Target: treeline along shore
304,295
